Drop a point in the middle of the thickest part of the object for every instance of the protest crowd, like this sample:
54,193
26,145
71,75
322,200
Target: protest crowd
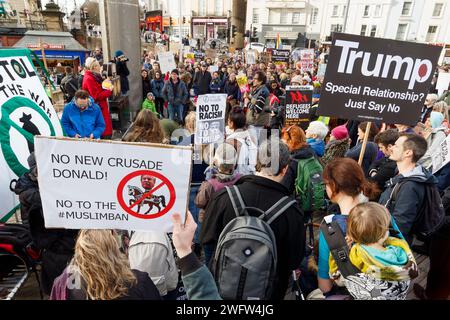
288,202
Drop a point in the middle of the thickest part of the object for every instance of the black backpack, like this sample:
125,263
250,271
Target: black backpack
16,239
16,251
431,216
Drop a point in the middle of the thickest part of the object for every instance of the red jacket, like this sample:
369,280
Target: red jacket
100,97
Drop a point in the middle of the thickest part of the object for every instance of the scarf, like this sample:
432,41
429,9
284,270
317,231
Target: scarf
97,77
369,265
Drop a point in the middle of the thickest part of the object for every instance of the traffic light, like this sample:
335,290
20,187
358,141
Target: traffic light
171,21
233,31
254,33
184,20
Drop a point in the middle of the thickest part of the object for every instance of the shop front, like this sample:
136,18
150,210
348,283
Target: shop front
154,21
61,49
288,34
210,28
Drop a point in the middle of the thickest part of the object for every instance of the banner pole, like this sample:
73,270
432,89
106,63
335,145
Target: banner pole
44,58
363,148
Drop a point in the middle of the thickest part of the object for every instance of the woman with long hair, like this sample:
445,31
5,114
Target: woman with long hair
146,85
157,84
100,271
295,139
346,186
145,128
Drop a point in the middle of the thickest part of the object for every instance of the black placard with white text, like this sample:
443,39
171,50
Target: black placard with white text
373,79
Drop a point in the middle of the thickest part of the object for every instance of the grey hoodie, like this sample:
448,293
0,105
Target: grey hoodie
409,198
434,141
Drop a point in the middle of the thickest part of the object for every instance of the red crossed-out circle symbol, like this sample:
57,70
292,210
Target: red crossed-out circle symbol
131,208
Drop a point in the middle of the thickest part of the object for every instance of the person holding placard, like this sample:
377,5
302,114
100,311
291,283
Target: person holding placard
371,151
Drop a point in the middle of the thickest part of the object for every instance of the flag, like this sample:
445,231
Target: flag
22,116
278,42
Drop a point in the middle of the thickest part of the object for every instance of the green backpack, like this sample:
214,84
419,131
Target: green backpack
309,186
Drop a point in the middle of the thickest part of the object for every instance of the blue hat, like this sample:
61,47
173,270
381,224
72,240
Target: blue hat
436,119
119,53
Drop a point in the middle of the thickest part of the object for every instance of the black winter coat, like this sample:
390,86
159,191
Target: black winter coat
123,72
381,171
146,87
202,82
291,174
288,229
409,199
57,245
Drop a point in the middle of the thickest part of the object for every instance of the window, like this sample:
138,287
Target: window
378,10
296,17
363,30
401,32
284,17
255,15
366,11
406,11
202,7
314,14
273,17
437,9
344,9
336,28
335,11
218,8
431,34
373,31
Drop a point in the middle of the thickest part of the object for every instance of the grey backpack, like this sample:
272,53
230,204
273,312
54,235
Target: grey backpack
245,260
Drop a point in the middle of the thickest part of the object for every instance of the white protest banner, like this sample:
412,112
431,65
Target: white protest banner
321,70
251,57
210,115
25,111
443,156
307,59
94,184
443,81
166,61
211,53
213,69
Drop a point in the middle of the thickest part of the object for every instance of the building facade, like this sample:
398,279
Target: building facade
18,16
200,19
425,21
269,18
